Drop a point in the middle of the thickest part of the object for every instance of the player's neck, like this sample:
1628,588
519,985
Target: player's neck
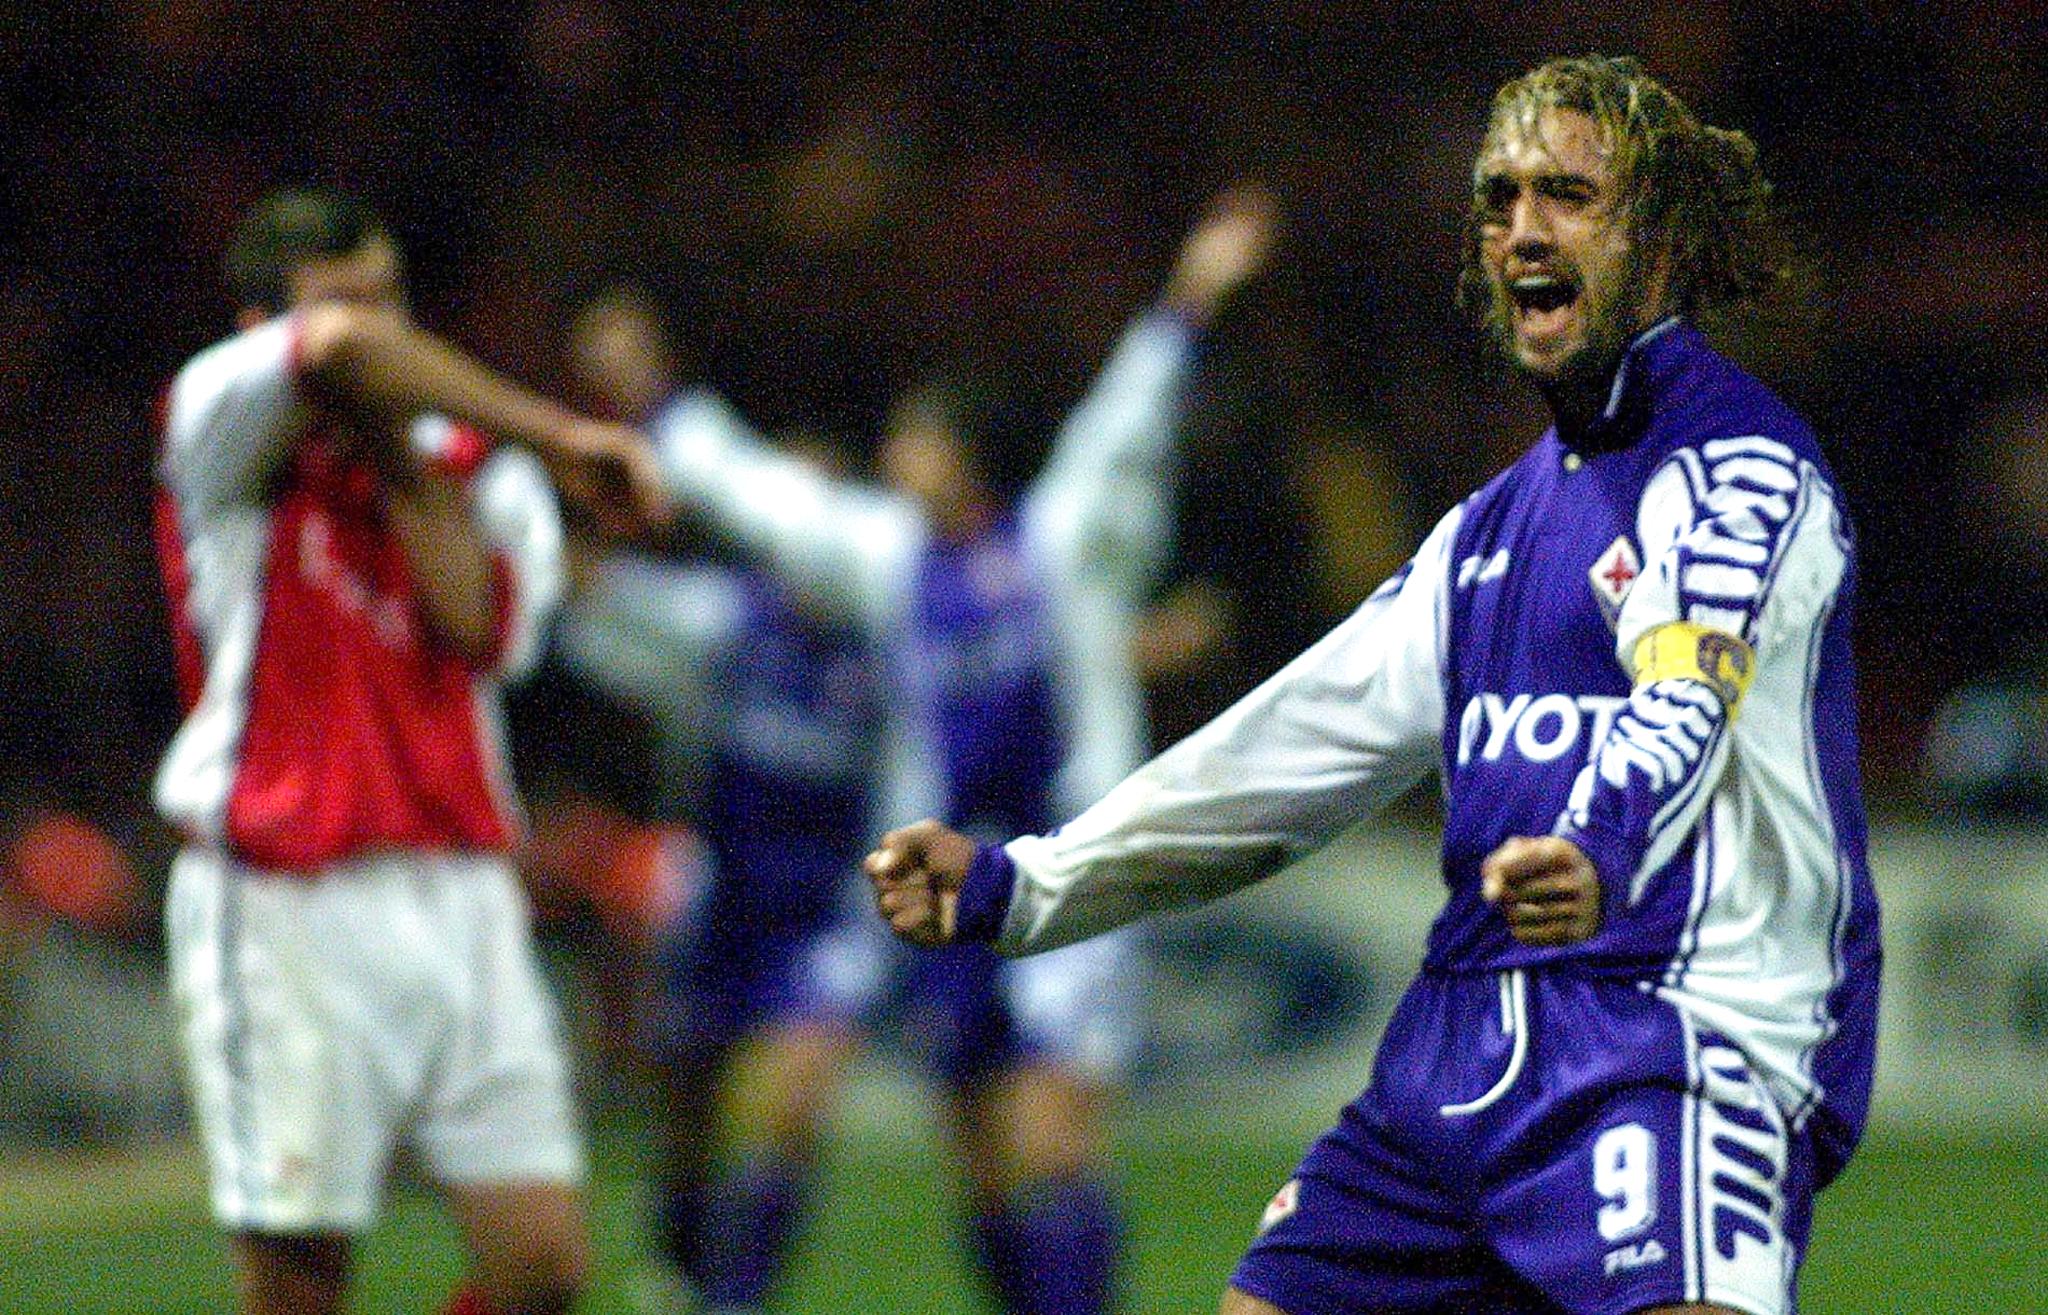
965,519
1578,406
1594,410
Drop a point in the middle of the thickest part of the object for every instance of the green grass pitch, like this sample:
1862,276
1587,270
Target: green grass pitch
1922,1226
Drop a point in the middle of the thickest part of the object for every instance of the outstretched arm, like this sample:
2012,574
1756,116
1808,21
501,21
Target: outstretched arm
1335,735
1103,489
376,366
374,362
1100,516
483,557
846,547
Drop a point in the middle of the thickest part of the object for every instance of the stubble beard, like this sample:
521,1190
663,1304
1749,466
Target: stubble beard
1608,327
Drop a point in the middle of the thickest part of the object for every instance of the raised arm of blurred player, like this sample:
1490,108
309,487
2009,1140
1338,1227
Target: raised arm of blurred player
847,547
1100,514
1105,483
1337,734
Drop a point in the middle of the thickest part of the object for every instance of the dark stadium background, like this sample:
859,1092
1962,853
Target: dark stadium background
836,197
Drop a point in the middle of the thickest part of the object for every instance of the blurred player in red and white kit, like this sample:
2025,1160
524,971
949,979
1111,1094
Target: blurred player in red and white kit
354,567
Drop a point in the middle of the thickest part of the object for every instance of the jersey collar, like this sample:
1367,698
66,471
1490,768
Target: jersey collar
1648,360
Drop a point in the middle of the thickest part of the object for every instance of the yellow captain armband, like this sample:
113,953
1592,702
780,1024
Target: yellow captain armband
1680,650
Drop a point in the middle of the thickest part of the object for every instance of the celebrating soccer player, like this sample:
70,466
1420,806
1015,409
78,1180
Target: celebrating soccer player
354,569
777,702
1005,629
1642,1038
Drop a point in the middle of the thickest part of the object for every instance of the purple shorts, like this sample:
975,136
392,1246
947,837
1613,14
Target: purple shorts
1542,1142
733,964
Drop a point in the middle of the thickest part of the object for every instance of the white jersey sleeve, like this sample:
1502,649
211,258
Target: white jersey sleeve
849,548
519,517
1740,537
1338,733
231,418
1099,524
646,631
1105,493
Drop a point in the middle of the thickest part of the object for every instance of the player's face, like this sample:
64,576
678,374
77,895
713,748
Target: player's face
371,275
621,357
924,458
1569,288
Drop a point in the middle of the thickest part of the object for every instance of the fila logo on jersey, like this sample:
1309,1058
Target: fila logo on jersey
1284,1203
1613,572
1478,570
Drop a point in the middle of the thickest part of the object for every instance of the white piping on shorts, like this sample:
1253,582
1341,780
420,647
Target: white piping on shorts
1514,1022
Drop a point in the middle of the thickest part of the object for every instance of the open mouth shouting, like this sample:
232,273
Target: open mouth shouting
1543,304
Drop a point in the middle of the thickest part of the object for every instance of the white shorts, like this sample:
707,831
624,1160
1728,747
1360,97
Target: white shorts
324,1020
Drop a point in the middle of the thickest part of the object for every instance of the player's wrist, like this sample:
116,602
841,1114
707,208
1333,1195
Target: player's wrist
1190,301
1174,316
984,897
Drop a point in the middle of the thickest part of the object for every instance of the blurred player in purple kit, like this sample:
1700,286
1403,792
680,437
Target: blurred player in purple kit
1004,621
354,569
788,715
771,706
1643,1034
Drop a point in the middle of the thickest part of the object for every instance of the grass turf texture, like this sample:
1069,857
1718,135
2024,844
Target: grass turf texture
1925,1226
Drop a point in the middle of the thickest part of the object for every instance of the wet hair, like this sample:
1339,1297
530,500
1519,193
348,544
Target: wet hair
1689,188
287,228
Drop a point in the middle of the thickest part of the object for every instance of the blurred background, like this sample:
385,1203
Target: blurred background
831,200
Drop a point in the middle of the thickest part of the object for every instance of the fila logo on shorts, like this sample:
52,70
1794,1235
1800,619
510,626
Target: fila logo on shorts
1736,1172
1687,1185
1734,1168
1699,1200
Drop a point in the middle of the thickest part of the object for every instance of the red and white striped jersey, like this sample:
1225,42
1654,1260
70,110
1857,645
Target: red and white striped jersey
323,719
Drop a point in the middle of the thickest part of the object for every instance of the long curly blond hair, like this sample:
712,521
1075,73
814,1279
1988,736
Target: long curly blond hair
1689,188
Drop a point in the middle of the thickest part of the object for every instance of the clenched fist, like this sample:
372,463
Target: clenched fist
1545,887
916,873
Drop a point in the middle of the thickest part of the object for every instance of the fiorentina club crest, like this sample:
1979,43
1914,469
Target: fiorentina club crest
1283,1204
1613,572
